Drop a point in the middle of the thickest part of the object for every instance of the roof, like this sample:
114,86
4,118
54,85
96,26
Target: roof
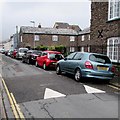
61,25
54,31
49,51
84,31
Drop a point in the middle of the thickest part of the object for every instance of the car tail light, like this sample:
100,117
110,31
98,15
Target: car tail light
113,69
88,65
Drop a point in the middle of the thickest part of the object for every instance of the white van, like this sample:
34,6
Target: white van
21,52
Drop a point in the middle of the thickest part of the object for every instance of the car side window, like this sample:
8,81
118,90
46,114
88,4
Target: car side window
78,56
69,57
44,54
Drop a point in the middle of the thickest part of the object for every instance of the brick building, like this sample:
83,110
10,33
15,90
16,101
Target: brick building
61,34
105,28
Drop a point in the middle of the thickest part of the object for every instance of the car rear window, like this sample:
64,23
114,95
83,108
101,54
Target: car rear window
23,50
55,56
99,58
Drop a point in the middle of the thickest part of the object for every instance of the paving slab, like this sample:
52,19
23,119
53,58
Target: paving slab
101,105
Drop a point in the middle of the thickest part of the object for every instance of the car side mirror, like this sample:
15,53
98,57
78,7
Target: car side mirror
65,58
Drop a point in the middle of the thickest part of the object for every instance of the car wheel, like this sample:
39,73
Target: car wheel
58,70
28,61
23,60
44,66
36,64
78,75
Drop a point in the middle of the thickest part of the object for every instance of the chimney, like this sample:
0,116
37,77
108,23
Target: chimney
39,26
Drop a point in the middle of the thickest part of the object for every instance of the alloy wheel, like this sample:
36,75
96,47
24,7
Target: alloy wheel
77,75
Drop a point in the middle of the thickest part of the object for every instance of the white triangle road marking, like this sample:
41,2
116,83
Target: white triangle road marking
92,90
49,93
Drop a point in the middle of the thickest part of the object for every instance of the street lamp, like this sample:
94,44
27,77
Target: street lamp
33,33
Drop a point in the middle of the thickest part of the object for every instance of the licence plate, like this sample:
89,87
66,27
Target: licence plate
102,68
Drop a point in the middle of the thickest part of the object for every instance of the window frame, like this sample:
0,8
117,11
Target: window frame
72,38
72,49
54,38
114,9
82,37
111,47
36,37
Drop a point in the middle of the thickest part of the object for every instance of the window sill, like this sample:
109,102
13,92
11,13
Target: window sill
115,19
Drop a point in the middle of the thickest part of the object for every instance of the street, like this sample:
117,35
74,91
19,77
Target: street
30,83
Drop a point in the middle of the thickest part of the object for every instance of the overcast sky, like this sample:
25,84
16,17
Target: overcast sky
46,13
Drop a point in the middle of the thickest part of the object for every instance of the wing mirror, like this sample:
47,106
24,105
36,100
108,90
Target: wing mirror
65,58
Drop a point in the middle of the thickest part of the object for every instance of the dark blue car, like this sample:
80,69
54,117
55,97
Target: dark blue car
83,64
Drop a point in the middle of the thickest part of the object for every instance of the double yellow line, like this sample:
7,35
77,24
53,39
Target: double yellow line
15,107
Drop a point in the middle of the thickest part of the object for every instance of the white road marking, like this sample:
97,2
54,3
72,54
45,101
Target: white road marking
49,93
92,90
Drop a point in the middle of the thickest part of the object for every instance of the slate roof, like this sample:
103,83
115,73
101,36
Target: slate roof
84,31
54,31
61,25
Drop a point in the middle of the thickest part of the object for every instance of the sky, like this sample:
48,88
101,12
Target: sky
19,13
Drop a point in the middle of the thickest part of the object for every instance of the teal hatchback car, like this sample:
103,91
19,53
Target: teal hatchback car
84,64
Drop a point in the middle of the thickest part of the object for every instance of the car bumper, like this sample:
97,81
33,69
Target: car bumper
97,74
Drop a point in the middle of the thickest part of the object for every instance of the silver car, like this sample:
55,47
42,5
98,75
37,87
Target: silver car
21,52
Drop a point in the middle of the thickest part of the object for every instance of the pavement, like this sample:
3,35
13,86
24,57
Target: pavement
115,81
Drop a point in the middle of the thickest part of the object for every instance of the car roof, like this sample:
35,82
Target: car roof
89,53
48,51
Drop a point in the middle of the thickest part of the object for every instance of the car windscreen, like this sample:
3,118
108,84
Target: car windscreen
55,56
37,52
100,59
22,50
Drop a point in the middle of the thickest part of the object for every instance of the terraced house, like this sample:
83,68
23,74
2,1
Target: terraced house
60,34
105,28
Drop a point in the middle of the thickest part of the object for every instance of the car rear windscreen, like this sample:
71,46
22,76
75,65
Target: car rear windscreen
55,56
100,59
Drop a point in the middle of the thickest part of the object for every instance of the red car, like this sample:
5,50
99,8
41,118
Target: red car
48,59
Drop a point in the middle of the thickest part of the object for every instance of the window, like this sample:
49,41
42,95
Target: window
82,49
21,39
54,38
78,56
71,56
36,37
44,54
99,58
83,37
88,37
72,49
114,9
72,38
88,48
112,48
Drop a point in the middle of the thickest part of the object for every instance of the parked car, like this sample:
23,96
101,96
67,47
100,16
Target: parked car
30,56
83,64
20,52
13,53
48,59
10,53
2,51
6,52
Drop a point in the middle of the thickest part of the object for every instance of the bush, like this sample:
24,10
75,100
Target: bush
42,48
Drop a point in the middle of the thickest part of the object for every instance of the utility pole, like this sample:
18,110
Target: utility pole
33,33
17,37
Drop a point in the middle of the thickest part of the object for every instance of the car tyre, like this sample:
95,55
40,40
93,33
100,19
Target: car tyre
44,66
36,64
23,60
78,75
58,70
28,61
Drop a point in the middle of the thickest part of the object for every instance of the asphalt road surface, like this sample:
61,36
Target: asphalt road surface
29,83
